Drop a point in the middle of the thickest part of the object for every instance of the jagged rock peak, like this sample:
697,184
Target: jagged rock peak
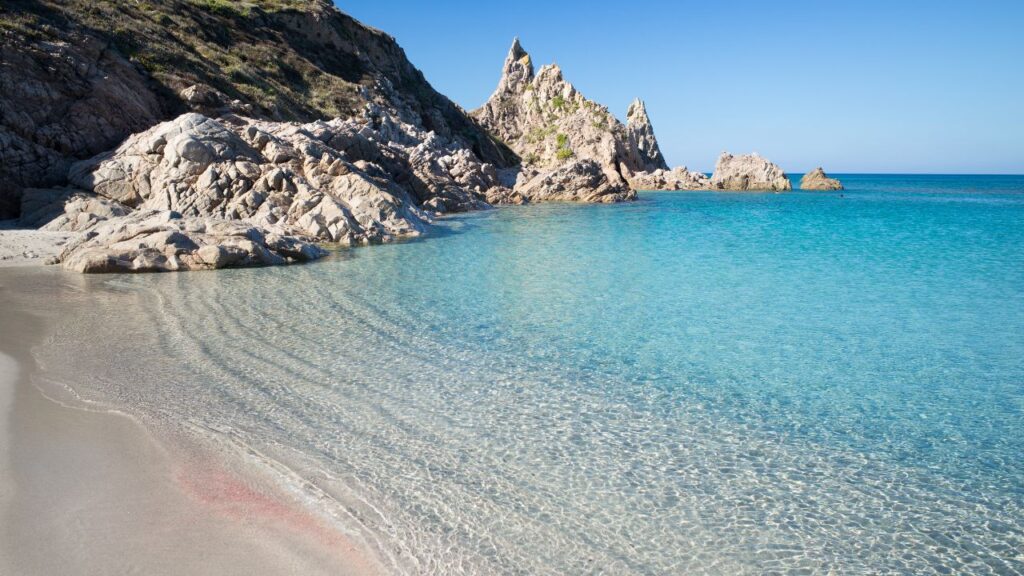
518,70
549,124
637,112
641,133
817,180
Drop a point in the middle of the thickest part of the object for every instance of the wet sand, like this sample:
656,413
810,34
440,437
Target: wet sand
85,490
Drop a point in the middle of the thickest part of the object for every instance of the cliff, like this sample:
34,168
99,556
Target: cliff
78,76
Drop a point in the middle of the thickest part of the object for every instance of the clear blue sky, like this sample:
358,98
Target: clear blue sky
865,86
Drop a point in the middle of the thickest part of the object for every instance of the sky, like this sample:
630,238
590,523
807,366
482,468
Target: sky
867,86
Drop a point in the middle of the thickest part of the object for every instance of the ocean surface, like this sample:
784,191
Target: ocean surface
694,383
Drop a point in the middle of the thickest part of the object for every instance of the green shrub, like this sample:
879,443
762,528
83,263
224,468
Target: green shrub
564,154
558,102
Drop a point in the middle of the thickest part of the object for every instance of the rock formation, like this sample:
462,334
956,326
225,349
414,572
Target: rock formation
80,76
229,158
749,172
163,241
817,180
366,179
551,126
676,179
342,181
641,137
577,181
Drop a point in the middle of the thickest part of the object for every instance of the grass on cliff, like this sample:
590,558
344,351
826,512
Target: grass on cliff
298,60
239,48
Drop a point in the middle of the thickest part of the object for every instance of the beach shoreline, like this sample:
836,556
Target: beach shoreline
106,496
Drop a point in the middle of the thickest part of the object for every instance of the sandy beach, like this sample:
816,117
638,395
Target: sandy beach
84,490
26,247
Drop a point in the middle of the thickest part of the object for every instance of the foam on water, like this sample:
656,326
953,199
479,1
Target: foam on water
694,383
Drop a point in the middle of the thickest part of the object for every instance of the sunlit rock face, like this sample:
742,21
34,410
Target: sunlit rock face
748,172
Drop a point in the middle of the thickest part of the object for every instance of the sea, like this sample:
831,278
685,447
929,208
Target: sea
692,383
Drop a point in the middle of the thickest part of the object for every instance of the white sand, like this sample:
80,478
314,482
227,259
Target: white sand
26,247
92,492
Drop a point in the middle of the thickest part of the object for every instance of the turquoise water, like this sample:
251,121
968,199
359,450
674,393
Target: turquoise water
692,383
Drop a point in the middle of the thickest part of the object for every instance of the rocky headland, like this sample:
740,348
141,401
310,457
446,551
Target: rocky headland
193,134
817,180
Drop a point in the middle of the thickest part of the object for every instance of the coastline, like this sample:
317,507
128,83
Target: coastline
105,496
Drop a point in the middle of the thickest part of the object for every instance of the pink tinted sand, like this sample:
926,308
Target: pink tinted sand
91,491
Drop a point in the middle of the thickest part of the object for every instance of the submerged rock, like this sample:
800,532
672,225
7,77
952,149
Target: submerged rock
817,180
749,172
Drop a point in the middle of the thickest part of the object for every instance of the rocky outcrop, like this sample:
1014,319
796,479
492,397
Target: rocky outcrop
163,241
361,180
77,77
230,159
817,180
641,137
576,181
749,172
551,126
355,181
676,179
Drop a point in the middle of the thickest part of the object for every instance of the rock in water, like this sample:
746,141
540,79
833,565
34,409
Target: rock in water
817,180
749,172
576,181
676,179
551,126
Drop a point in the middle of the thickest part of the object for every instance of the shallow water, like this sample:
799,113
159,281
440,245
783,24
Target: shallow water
692,383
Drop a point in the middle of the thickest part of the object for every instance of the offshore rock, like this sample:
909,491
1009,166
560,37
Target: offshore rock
749,172
817,180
